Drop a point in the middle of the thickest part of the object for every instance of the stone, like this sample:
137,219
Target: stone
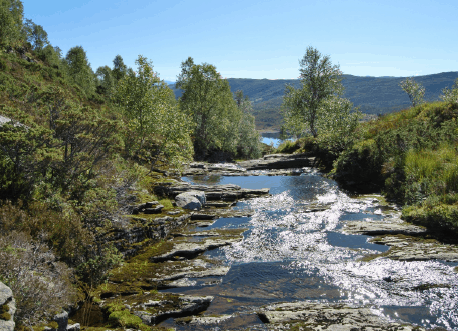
376,228
221,193
185,305
279,161
156,210
61,320
191,249
7,308
321,316
192,200
204,320
74,327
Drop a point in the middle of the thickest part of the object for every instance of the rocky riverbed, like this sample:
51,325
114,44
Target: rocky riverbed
173,279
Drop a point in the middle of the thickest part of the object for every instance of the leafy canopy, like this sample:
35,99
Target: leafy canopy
208,101
414,90
317,107
157,128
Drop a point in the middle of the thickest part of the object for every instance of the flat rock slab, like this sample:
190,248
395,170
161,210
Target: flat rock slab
190,249
228,192
407,241
320,316
408,248
376,228
155,308
203,320
212,214
279,161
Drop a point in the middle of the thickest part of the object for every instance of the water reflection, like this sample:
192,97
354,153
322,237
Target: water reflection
293,250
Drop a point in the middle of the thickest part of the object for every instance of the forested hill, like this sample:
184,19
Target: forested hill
374,95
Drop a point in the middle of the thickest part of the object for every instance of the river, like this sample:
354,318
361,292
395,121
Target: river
294,250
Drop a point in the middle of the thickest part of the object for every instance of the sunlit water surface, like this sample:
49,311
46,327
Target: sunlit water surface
293,250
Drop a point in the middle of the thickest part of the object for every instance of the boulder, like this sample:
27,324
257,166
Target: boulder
61,320
192,200
74,327
7,308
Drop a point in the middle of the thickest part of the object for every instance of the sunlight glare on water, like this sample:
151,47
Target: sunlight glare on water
297,228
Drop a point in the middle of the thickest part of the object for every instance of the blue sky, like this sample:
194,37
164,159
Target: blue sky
258,39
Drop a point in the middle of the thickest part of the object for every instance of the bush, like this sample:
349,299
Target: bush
441,219
287,147
63,231
360,166
42,286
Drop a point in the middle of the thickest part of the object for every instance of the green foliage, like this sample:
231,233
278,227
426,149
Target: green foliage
412,156
372,95
119,68
208,101
79,70
157,130
119,316
360,166
11,14
94,270
451,95
430,173
35,35
63,231
317,108
248,145
338,125
24,155
287,147
51,55
414,90
106,81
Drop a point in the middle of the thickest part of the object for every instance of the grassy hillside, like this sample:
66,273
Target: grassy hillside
374,95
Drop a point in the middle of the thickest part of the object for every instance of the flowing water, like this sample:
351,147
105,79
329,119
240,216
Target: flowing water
294,249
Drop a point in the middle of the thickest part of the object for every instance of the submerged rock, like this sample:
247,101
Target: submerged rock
322,316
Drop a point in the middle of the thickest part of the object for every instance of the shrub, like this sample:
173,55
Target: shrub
451,96
41,285
288,147
360,166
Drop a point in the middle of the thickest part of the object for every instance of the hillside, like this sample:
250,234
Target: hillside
374,95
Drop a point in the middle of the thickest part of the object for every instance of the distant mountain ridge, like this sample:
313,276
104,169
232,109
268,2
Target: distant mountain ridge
374,95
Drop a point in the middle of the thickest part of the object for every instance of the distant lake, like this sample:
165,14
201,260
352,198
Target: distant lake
272,137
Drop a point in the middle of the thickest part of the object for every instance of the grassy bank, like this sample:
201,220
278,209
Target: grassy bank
411,156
